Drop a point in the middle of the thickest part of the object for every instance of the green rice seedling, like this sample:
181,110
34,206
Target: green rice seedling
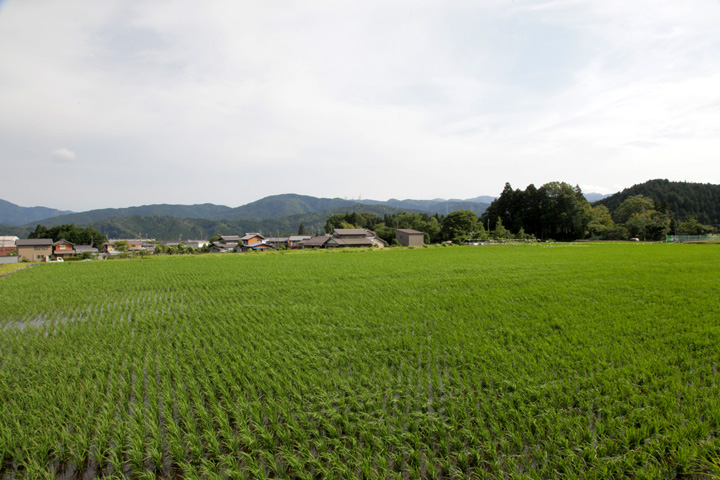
582,362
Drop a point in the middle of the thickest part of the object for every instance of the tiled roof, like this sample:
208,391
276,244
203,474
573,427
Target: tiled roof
32,242
248,236
316,241
63,241
299,238
353,242
353,231
409,231
230,238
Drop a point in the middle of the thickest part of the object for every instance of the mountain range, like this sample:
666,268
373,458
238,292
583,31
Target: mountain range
275,206
282,214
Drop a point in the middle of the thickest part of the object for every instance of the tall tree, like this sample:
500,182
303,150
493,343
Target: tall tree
459,225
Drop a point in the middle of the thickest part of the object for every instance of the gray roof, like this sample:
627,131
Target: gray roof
85,248
256,246
354,232
248,236
409,231
276,239
299,238
316,241
230,238
63,241
32,242
224,245
353,242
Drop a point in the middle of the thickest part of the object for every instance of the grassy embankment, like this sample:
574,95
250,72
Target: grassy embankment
7,268
574,361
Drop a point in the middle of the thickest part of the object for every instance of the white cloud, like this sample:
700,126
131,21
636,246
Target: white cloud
63,155
416,99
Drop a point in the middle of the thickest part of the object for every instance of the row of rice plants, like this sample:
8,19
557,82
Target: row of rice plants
426,363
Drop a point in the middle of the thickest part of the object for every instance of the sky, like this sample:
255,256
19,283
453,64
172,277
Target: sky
117,103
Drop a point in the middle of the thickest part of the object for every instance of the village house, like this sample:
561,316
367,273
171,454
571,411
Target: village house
80,249
409,238
134,245
316,242
251,239
277,242
62,248
296,241
257,247
354,237
232,243
225,244
34,249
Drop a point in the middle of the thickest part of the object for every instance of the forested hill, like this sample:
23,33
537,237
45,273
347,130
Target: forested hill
684,199
170,228
12,214
443,207
274,206
278,206
206,210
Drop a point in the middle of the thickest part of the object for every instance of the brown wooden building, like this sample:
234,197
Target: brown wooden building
63,248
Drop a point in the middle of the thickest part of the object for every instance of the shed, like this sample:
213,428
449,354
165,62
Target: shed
409,238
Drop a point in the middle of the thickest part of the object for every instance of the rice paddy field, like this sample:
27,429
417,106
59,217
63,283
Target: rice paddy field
562,361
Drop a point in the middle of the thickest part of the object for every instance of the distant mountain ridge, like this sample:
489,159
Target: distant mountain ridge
173,228
207,210
595,197
274,206
11,214
440,206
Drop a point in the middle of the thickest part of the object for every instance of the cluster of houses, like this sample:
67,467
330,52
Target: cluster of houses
147,245
340,238
43,249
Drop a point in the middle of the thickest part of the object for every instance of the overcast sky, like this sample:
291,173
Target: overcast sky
116,103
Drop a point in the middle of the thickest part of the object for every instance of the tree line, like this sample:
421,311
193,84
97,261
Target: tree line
555,211
71,233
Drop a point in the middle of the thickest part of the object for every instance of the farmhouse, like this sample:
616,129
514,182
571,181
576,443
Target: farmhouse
63,248
134,245
251,239
409,238
226,243
316,242
80,249
277,242
35,249
257,246
296,241
354,237
231,243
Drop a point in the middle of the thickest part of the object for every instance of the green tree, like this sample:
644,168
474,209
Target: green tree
302,230
693,227
121,246
600,222
636,204
459,225
500,232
